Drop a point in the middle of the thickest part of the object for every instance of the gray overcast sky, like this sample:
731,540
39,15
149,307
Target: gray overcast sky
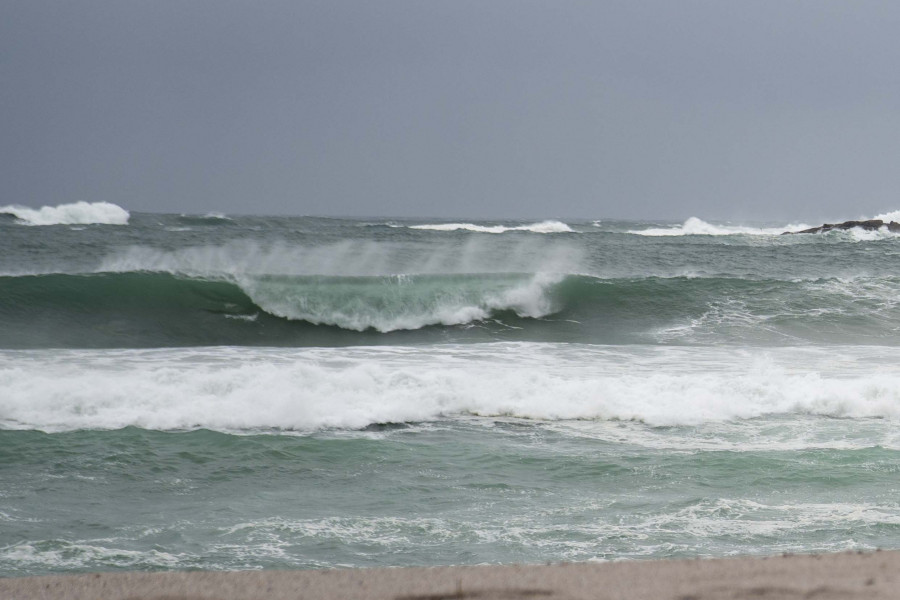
719,109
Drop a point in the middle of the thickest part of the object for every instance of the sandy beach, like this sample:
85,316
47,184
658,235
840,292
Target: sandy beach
837,576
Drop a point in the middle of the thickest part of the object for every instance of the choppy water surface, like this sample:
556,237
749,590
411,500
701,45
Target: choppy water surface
222,392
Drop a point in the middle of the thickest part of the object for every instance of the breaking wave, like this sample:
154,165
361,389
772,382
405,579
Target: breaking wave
400,302
695,226
542,227
144,309
231,389
158,308
78,213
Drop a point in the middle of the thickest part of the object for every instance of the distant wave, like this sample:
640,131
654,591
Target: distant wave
78,213
212,218
695,226
542,227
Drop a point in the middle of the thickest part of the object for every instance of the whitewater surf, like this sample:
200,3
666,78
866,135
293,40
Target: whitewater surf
239,392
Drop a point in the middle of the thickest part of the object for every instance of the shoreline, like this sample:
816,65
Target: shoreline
821,576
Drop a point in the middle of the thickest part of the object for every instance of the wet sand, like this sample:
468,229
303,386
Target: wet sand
831,576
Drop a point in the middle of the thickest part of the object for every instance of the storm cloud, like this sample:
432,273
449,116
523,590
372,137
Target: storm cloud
495,108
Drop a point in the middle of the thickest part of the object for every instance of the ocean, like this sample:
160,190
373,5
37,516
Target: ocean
246,392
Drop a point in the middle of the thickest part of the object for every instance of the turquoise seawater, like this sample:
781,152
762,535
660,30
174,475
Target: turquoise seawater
217,392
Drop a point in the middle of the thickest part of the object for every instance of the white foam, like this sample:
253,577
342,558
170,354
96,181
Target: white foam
241,389
63,554
695,226
78,213
542,227
779,433
829,301
858,234
592,526
748,519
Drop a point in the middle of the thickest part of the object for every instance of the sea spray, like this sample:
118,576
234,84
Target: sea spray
356,257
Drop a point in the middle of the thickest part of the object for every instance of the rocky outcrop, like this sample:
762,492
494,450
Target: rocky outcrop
870,225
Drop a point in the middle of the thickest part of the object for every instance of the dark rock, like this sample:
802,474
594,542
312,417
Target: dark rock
870,225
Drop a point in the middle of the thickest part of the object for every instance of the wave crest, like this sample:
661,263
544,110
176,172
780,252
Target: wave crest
212,218
142,309
542,227
400,302
695,226
158,308
77,213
